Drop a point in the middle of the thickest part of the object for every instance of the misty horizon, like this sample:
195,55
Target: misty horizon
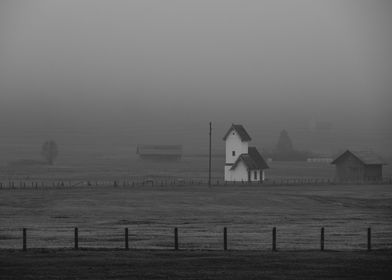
134,72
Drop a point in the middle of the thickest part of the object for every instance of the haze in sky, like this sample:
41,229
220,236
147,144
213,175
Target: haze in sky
166,65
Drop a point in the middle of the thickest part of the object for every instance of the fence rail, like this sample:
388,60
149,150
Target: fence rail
178,242
145,181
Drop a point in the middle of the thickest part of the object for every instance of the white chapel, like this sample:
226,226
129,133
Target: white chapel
243,163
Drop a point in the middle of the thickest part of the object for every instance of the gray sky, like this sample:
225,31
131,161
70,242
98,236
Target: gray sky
268,64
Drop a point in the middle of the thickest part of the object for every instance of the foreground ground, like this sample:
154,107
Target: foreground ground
200,213
108,264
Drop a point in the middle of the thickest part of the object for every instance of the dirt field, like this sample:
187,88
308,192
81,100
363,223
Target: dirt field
200,213
68,264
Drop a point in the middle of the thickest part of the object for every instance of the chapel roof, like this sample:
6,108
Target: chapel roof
241,132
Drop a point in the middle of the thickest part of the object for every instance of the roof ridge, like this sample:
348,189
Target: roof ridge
253,160
367,157
243,134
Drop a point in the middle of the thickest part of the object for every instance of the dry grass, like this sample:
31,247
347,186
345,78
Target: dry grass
200,213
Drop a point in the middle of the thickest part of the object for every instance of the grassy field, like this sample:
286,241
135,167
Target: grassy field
200,213
100,168
103,170
68,264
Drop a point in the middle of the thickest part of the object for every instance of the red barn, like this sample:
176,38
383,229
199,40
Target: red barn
356,166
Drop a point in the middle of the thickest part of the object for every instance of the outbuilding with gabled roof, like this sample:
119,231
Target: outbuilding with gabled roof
356,166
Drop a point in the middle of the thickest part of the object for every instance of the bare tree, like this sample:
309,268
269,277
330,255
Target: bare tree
49,151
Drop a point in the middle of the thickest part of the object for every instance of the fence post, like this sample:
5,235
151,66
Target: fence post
24,240
76,237
175,238
126,239
322,239
225,239
274,239
369,239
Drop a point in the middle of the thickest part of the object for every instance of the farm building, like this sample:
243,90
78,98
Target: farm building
358,166
243,163
165,152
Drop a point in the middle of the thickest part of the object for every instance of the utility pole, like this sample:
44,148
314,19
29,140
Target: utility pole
209,159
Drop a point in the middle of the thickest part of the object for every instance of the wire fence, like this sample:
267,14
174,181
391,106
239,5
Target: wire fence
188,238
134,181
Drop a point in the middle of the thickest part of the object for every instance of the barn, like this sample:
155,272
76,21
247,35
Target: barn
243,163
357,166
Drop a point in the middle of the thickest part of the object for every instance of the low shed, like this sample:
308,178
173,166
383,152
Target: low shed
355,166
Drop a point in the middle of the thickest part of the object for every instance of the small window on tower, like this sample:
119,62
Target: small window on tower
255,175
233,153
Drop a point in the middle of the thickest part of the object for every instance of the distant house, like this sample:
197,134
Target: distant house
358,166
165,152
243,163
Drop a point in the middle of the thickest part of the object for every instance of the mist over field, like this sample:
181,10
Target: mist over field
106,163
114,74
